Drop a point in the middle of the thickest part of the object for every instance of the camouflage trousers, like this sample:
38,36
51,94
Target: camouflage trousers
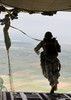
50,69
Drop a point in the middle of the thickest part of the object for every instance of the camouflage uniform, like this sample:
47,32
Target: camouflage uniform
50,68
50,64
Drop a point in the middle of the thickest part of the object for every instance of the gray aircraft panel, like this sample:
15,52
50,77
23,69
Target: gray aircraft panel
39,5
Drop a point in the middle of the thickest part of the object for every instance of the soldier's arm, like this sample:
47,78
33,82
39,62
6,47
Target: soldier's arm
37,48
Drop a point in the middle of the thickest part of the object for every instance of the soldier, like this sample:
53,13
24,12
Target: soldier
50,64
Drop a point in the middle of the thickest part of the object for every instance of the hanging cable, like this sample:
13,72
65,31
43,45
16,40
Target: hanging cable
10,75
24,33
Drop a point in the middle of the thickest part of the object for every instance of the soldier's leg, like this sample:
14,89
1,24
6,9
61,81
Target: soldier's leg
50,77
56,74
50,74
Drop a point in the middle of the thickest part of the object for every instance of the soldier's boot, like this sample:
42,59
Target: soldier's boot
52,89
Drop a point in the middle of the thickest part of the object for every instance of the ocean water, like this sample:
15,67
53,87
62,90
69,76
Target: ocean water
26,70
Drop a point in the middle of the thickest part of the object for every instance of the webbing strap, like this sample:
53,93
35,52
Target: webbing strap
24,33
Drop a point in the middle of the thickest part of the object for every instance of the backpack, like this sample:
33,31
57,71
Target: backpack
51,47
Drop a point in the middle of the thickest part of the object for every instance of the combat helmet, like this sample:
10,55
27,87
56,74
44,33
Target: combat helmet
48,35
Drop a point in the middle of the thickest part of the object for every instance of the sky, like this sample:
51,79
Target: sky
36,25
